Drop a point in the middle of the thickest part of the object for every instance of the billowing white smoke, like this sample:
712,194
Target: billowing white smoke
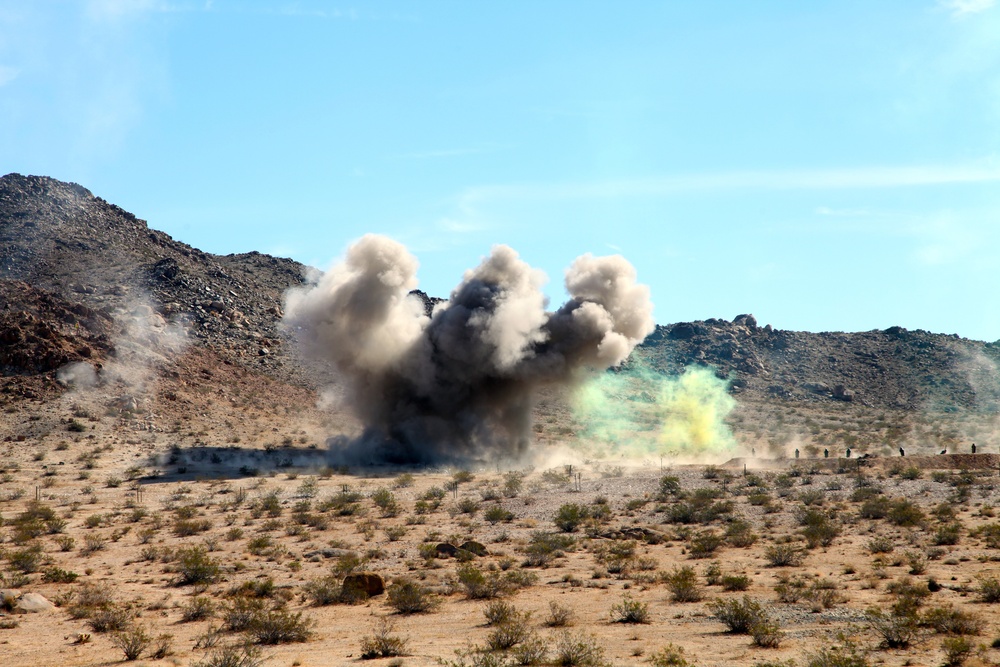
458,385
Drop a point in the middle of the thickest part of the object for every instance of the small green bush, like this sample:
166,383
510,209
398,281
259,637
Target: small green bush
740,616
409,597
569,517
683,585
383,643
630,610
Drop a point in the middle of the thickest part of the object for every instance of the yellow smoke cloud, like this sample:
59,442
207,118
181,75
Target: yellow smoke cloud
639,412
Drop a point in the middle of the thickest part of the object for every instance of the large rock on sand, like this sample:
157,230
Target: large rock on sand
368,583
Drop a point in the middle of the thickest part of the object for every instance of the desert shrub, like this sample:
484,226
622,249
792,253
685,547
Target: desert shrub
56,575
847,655
279,626
577,650
989,534
740,534
876,507
496,513
531,651
324,591
739,616
88,599
242,612
917,562
948,534
912,473
897,627
881,544
766,633
195,566
819,529
383,642
713,573
906,589
812,497
683,585
189,527
110,619
670,486
409,597
197,609
791,591
559,616
385,500
569,517
131,641
904,513
26,560
783,555
669,656
705,544
498,611
544,547
682,513
242,655
629,610
479,585
956,650
161,647
511,631
951,621
989,589
864,491
254,588
735,582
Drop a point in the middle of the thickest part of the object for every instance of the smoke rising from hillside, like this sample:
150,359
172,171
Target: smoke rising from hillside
639,412
459,385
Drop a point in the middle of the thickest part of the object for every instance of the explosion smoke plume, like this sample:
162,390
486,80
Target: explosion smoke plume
639,412
459,385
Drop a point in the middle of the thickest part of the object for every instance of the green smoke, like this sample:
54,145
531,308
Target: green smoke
638,412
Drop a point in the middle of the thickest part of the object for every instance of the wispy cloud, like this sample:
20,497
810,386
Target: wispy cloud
804,179
455,226
8,74
965,7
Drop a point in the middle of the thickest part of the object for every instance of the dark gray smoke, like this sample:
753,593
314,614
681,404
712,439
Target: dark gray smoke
459,385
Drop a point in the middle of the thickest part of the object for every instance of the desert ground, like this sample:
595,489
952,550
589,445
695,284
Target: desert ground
216,532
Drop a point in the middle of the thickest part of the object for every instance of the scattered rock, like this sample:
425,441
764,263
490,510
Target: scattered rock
368,583
474,547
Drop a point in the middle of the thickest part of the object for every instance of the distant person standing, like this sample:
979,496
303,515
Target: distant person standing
796,453
826,453
848,452
901,452
973,448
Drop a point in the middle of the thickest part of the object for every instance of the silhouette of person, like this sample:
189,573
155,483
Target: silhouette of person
848,452
973,448
753,451
901,452
826,453
796,453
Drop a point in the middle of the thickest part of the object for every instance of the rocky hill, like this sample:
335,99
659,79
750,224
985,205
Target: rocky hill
83,280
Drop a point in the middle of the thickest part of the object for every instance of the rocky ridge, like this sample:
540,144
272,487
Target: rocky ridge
77,271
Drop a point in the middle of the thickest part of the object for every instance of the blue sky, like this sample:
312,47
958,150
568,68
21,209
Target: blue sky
823,165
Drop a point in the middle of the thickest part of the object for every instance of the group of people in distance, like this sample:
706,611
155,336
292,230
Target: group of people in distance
826,452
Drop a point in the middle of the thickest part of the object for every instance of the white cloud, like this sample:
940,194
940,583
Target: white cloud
966,7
